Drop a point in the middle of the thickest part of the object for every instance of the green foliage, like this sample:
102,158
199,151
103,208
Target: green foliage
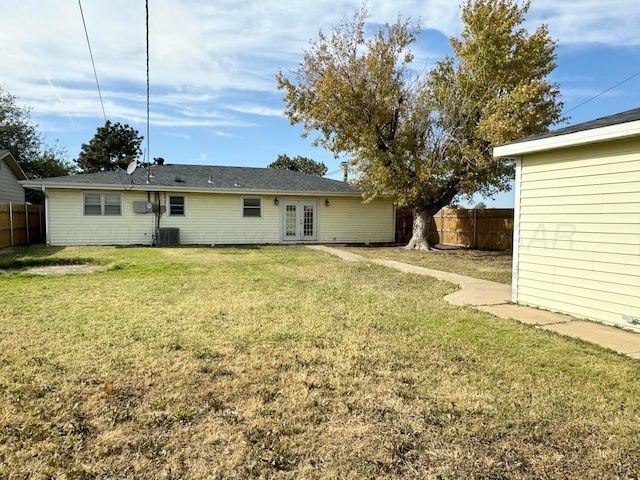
299,164
493,91
426,139
21,137
113,146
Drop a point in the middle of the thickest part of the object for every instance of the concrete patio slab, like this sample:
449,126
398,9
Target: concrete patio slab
616,339
531,316
478,294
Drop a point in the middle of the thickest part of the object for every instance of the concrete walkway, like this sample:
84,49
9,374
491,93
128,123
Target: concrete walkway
495,298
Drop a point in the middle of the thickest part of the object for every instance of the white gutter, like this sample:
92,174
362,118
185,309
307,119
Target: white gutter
175,188
584,137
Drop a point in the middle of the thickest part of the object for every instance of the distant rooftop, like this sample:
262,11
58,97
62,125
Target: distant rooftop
203,178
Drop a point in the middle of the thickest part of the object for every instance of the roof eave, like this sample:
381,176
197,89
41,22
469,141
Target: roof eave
13,164
576,139
37,185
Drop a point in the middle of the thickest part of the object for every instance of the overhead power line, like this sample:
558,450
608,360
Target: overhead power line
603,92
95,73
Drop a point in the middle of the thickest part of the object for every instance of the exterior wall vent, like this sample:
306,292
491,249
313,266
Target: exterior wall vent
168,237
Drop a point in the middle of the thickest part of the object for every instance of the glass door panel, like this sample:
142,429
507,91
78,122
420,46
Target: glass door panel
299,220
308,230
290,222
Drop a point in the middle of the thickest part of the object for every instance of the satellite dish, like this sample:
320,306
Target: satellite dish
132,167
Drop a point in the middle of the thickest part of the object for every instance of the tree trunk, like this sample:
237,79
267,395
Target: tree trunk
421,229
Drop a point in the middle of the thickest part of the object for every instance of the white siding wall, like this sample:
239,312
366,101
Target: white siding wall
10,189
579,236
68,226
217,219
214,219
348,220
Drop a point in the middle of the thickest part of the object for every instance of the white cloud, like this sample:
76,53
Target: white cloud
257,110
589,21
221,134
209,59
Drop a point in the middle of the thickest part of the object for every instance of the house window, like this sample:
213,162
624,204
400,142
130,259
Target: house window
176,205
102,203
252,207
112,203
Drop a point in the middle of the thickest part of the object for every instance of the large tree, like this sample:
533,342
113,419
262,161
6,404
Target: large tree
426,139
113,146
299,164
21,137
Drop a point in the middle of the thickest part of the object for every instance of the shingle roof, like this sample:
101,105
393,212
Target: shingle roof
618,118
205,178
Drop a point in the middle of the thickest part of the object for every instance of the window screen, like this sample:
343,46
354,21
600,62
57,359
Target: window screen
251,207
176,205
102,203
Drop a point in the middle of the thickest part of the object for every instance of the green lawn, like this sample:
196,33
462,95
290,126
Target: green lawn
283,362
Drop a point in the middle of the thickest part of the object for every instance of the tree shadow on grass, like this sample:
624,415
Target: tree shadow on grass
35,256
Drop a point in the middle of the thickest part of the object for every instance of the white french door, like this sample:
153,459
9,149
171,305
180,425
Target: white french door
299,221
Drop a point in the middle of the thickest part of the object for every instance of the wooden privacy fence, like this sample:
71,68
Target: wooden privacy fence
21,224
483,229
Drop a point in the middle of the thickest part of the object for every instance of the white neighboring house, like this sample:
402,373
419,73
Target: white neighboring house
577,219
10,175
191,204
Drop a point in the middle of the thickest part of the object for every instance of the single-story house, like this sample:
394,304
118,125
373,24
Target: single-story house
10,175
576,246
172,204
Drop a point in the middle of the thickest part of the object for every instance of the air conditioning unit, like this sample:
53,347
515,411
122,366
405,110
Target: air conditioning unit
143,207
168,237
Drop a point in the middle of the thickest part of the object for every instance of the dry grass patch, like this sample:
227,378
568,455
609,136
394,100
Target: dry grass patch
288,363
486,265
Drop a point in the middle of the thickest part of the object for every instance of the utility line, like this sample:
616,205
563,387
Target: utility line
603,92
148,108
95,73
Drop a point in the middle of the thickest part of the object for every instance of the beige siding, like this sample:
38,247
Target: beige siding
348,220
214,219
68,226
579,235
10,189
217,219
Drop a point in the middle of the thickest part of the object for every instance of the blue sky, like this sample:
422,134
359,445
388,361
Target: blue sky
213,63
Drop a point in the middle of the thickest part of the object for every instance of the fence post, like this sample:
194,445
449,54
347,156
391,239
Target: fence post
475,228
40,223
26,221
11,222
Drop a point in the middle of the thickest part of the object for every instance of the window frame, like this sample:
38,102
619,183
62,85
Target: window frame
245,208
105,208
184,206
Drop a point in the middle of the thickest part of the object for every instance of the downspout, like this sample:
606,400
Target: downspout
153,223
46,214
158,214
11,223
